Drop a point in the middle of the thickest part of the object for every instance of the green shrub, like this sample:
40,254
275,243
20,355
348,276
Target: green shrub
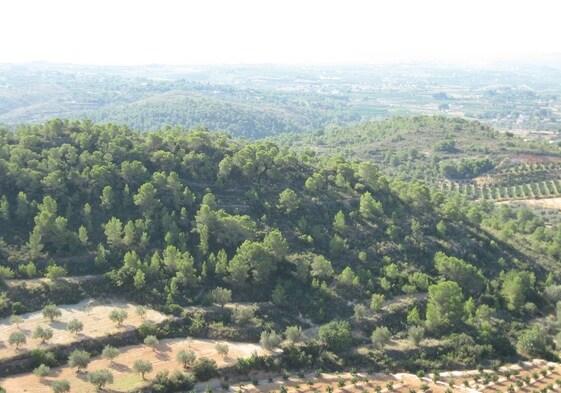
39,356
147,329
176,382
205,369
336,335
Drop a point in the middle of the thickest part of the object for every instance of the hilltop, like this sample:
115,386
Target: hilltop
451,153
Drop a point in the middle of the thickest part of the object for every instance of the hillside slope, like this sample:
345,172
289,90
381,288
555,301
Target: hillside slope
450,153
172,216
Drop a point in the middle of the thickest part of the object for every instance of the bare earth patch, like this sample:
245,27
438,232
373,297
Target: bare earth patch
533,159
163,358
551,203
95,319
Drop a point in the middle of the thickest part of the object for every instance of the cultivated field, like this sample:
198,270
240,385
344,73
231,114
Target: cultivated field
95,319
341,383
536,375
528,377
519,178
162,358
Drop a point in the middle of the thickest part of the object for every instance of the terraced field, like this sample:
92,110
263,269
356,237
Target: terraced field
163,357
95,319
520,181
531,376
535,376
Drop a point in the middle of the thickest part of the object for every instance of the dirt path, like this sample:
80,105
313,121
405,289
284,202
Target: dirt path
95,319
28,282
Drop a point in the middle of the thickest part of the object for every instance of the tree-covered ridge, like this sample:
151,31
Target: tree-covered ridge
176,217
423,147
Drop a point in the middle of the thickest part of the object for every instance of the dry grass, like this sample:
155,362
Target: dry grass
95,319
550,203
163,358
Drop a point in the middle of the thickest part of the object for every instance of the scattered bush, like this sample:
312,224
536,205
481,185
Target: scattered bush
205,369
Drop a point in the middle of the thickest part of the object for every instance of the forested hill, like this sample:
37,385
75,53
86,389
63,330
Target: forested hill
173,215
423,147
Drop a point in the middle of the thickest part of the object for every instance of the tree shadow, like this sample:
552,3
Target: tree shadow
161,356
58,325
82,374
120,367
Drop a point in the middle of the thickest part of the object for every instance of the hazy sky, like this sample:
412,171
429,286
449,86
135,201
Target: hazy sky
274,31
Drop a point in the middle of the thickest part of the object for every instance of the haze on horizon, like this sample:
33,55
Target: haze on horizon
126,32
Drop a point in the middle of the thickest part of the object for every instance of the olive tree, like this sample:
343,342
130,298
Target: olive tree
110,353
42,371
140,311
416,334
380,337
186,358
100,378
270,340
42,333
51,312
75,326
79,359
142,367
118,316
151,341
17,338
222,349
